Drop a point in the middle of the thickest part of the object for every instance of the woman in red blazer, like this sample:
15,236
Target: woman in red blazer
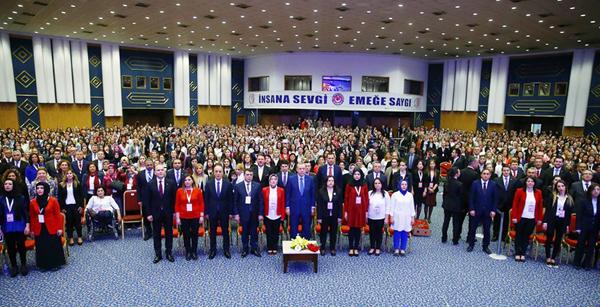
274,198
356,206
527,211
189,209
47,227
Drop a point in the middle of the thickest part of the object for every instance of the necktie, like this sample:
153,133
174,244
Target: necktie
587,185
484,186
515,174
284,179
538,173
247,188
177,176
160,188
376,175
505,184
301,185
218,188
80,165
330,172
410,161
556,172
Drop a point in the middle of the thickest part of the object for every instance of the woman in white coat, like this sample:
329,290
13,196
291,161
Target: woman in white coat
401,216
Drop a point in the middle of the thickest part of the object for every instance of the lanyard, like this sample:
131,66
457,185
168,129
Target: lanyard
10,204
357,190
188,196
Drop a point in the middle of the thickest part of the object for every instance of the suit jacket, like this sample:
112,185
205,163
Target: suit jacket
22,166
80,172
452,196
78,192
519,204
577,192
256,207
280,201
52,171
586,220
548,175
467,177
20,210
155,204
264,181
52,217
397,178
371,178
300,203
222,203
483,202
520,173
550,214
171,176
444,154
505,192
142,183
459,163
412,166
322,175
280,179
322,201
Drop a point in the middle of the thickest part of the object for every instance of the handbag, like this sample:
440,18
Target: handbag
117,185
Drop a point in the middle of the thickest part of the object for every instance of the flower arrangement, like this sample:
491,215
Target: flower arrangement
300,243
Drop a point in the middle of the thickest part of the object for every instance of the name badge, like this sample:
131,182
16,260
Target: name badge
248,200
41,218
560,213
129,186
420,185
358,200
531,209
188,207
10,218
329,205
431,185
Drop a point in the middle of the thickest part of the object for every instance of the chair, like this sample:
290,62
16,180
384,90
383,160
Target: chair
132,212
539,239
63,237
175,230
512,234
570,239
202,234
94,225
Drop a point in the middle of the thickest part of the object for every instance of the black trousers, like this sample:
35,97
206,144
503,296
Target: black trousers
524,230
272,231
585,247
163,220
214,221
189,228
376,233
249,234
461,221
457,218
329,226
73,220
15,242
504,226
485,219
554,234
353,237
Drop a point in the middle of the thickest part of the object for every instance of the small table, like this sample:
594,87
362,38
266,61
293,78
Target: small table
289,254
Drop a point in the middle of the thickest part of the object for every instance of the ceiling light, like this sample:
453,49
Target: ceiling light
263,10
20,5
440,19
572,8
368,12
457,7
147,17
528,14
541,21
421,12
162,12
582,15
562,32
287,3
504,26
231,3
592,21
100,18
343,4
178,4
410,23
112,12
124,5
315,11
513,8
400,5
15,12
475,14
223,22
490,20
196,17
63,12
516,31
72,5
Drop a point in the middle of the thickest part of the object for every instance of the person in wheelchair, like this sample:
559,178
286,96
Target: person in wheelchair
102,212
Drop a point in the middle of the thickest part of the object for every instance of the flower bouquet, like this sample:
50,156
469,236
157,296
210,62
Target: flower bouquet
300,243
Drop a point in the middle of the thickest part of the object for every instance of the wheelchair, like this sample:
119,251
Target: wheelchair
101,223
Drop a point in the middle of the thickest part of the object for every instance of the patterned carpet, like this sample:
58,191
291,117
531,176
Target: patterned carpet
108,272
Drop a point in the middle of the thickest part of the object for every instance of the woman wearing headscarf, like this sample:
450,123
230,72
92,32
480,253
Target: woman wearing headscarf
401,217
46,226
356,200
14,225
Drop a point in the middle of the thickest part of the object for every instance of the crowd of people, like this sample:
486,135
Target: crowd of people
288,178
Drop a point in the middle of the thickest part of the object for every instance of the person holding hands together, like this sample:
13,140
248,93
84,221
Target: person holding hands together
189,210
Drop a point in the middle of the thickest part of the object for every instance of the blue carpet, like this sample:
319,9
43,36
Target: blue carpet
108,272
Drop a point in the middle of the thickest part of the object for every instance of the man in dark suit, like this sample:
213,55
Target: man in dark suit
329,169
53,165
557,170
588,222
18,164
411,159
159,199
218,208
260,171
577,175
467,176
284,174
80,165
579,189
457,160
515,171
300,201
506,189
93,155
6,159
376,173
483,204
143,179
176,174
531,172
249,211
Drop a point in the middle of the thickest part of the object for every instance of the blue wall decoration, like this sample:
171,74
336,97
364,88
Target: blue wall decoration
237,94
435,80
25,84
592,119
193,118
484,95
96,86
532,85
155,70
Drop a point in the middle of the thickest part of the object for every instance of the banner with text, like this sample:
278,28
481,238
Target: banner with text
343,101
